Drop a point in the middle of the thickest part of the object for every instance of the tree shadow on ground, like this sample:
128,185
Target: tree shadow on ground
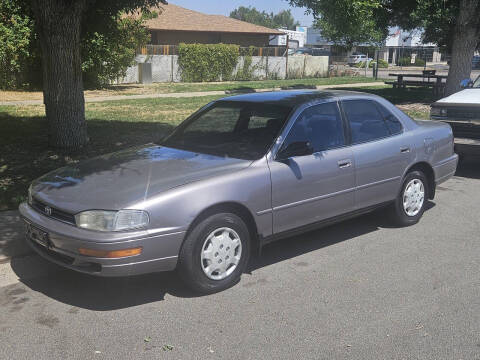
104,294
25,154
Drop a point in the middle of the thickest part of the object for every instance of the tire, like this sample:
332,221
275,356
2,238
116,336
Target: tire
210,244
409,215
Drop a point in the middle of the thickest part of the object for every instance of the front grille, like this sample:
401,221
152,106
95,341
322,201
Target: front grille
463,113
54,212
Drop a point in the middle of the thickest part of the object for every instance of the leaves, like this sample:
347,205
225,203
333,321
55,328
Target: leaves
283,19
207,62
15,32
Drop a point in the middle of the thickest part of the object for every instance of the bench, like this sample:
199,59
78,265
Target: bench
405,83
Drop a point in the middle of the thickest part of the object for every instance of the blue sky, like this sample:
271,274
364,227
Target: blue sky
223,7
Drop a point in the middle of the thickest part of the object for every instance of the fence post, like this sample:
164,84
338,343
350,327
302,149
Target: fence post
286,60
171,70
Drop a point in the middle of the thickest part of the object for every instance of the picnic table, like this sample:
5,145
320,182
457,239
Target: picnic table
438,84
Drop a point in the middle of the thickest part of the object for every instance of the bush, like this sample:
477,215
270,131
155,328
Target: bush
207,62
16,30
106,56
406,61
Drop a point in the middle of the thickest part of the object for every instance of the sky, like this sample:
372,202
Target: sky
224,7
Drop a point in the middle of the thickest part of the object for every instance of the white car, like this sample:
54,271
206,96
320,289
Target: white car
462,111
356,58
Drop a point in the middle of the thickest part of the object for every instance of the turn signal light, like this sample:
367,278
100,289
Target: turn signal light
111,254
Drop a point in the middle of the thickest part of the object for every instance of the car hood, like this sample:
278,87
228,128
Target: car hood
120,179
466,96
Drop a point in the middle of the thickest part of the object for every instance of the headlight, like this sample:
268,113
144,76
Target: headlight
101,220
438,111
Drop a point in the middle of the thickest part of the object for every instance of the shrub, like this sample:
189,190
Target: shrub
16,30
207,62
106,56
406,61
382,64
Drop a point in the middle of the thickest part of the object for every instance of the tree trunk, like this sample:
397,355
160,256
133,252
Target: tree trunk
58,24
465,41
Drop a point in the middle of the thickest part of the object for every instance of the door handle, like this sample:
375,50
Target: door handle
342,164
405,150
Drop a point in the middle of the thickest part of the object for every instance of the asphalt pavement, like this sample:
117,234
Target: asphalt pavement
361,289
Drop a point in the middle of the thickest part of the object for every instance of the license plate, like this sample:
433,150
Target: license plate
37,235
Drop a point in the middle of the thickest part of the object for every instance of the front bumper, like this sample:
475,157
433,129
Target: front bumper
159,252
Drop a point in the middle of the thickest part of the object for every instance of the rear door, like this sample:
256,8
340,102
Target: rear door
319,185
379,151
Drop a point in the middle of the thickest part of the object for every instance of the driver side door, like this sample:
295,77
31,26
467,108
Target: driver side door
317,185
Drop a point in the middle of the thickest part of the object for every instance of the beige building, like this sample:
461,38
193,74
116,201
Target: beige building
177,25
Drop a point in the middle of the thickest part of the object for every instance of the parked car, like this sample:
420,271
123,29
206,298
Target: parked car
462,111
357,58
239,173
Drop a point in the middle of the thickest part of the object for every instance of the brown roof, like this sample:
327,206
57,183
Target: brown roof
175,18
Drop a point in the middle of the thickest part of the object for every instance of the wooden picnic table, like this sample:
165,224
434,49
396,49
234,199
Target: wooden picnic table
438,85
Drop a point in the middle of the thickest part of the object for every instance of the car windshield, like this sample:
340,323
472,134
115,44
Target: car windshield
476,84
233,129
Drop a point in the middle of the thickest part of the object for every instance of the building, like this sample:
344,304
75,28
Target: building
407,44
176,25
296,39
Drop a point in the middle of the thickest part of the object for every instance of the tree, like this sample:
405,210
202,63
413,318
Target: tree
451,23
59,25
283,19
15,32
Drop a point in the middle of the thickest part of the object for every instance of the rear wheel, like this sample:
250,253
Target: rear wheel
215,253
410,203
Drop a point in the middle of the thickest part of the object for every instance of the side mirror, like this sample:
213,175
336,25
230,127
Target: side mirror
298,148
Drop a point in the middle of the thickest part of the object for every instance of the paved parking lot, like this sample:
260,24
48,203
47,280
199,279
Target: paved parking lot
357,290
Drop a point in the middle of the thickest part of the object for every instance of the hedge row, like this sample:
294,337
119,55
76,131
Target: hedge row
207,62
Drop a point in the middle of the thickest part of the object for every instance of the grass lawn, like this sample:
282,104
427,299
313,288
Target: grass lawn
115,125
158,88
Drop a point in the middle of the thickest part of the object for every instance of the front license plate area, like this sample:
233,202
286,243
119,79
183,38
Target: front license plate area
37,235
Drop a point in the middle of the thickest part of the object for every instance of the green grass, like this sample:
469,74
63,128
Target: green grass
115,125
261,84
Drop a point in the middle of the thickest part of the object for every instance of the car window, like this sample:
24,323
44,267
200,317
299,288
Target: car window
242,130
366,122
320,125
222,119
393,124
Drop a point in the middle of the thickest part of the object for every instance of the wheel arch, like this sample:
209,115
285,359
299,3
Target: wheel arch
231,207
427,169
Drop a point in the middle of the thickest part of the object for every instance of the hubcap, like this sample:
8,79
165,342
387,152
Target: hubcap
221,253
413,197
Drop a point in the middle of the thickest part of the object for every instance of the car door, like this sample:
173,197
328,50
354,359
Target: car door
318,184
379,151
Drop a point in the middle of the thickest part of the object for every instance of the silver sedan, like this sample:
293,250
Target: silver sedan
239,173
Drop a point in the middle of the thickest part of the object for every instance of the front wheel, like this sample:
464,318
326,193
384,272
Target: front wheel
410,203
215,253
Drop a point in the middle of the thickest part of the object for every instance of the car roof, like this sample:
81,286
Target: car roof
293,98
